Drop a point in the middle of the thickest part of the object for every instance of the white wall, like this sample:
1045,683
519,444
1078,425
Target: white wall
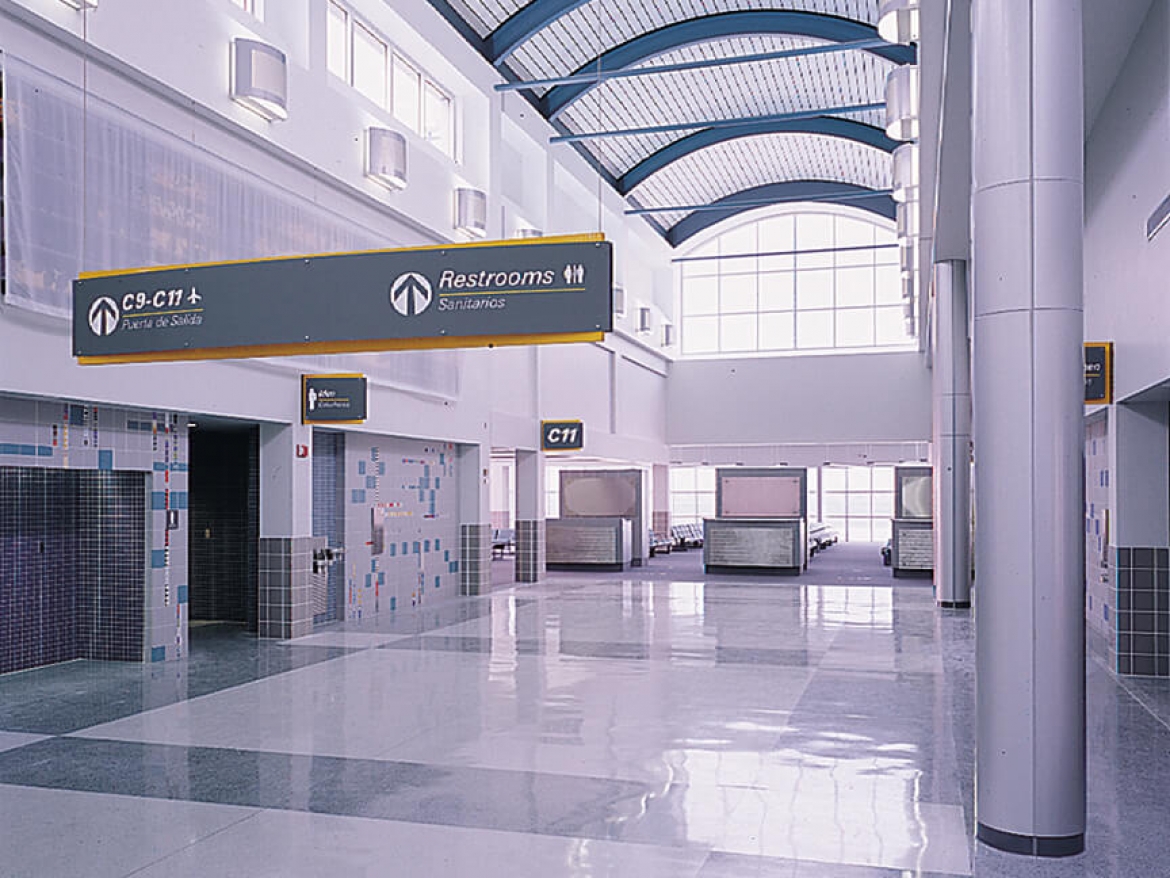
1127,174
847,398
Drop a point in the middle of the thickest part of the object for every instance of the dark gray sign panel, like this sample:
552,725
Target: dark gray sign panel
562,435
531,292
1098,372
333,399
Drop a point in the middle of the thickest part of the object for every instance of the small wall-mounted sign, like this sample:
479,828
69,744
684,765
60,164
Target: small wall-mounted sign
562,435
333,399
1098,372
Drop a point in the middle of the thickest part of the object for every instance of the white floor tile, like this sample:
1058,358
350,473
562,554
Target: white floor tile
62,833
290,845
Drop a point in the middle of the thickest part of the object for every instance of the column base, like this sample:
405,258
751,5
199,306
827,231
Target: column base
1031,845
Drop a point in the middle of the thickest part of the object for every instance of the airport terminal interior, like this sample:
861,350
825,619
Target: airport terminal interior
698,438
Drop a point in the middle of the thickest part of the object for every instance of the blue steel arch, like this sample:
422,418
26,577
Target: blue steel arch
790,191
719,26
832,126
523,24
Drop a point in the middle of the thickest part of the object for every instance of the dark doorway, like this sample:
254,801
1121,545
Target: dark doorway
223,545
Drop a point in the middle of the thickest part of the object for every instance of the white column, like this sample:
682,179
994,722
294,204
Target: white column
475,517
530,534
952,437
286,480
1028,406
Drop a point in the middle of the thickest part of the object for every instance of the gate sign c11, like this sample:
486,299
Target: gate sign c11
534,291
562,435
333,399
1098,372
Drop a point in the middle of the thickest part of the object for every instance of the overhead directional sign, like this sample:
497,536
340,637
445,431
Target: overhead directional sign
333,399
534,291
1098,372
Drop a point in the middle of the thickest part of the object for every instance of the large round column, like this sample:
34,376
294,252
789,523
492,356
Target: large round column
951,378
1028,405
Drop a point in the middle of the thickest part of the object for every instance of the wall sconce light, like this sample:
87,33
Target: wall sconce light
907,278
902,103
905,174
906,213
908,254
260,78
644,320
386,157
619,301
898,21
471,212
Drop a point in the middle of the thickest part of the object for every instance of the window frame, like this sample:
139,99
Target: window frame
849,310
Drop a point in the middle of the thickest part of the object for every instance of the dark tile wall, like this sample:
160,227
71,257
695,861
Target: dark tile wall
224,490
286,585
72,561
112,536
475,558
329,513
1142,610
530,550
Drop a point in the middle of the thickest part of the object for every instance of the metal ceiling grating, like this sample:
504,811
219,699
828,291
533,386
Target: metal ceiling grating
727,168
583,34
701,164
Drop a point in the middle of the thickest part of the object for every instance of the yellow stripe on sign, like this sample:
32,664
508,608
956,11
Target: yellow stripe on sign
584,238
510,292
341,347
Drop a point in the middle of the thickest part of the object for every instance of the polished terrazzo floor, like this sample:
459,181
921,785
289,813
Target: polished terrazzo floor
656,723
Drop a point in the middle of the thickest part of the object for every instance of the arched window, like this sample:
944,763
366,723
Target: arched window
815,278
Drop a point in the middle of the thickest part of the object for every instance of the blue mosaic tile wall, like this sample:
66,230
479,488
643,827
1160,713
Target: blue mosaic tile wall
401,524
1099,575
54,435
329,514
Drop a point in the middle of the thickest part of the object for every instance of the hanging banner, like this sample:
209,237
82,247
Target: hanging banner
1098,372
536,291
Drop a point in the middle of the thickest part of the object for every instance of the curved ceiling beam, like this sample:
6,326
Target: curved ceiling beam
523,24
830,126
720,26
791,191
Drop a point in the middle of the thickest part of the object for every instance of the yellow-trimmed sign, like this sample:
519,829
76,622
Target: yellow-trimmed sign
333,399
539,291
562,435
1098,372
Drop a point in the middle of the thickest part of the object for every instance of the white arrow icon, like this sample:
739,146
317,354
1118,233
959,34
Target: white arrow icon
103,316
410,294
